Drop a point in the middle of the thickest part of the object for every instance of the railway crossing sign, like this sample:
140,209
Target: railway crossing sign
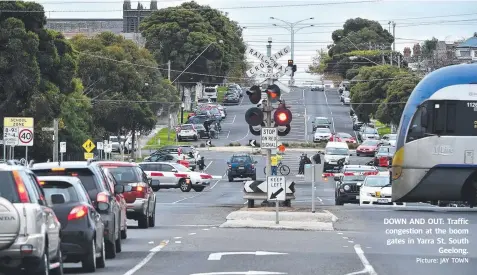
269,61
269,138
88,146
276,188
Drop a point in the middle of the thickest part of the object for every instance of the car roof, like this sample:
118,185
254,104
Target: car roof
321,117
362,167
69,179
334,144
65,164
116,163
11,167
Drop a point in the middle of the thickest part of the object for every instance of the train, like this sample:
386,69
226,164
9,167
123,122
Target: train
436,144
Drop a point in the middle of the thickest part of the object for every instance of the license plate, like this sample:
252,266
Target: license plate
382,201
357,197
241,167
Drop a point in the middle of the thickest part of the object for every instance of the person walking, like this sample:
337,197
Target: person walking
317,158
201,164
301,167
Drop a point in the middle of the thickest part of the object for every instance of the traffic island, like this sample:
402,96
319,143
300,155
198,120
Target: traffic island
289,219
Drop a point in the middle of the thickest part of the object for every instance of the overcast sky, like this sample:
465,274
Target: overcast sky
415,20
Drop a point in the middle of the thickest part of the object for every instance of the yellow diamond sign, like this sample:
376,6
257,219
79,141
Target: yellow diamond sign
89,146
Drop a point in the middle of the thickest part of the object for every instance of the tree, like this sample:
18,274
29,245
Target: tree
181,33
37,74
371,88
398,92
124,83
428,47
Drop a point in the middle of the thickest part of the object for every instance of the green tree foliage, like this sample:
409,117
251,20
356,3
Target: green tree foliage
37,75
428,47
124,83
372,88
181,33
399,90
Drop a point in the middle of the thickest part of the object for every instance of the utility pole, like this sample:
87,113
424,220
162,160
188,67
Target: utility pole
169,70
394,41
268,109
55,139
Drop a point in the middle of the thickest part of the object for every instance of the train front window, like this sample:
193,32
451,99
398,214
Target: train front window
416,130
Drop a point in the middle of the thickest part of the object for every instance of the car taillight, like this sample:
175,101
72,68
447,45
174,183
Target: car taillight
371,173
179,175
349,174
78,212
253,166
205,176
21,189
102,197
230,166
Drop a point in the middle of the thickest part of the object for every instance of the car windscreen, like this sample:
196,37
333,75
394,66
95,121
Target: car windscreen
336,151
125,174
370,142
344,135
8,187
241,159
87,177
113,139
181,168
370,131
210,90
387,150
376,181
392,137
323,130
62,188
353,178
203,100
199,127
322,121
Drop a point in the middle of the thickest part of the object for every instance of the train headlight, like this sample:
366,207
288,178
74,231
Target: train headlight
346,187
397,163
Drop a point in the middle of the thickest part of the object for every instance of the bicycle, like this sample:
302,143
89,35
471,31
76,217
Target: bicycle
283,169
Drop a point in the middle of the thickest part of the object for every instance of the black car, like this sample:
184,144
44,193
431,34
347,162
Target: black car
99,191
82,231
201,131
241,166
347,186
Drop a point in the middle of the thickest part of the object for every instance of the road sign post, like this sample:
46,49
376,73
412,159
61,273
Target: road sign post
100,147
62,150
276,191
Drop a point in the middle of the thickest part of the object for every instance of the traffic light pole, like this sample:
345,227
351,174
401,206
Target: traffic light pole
268,111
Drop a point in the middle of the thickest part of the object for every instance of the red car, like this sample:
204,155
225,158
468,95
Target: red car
368,148
121,202
141,199
345,137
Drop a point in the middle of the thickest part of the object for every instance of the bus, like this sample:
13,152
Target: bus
437,139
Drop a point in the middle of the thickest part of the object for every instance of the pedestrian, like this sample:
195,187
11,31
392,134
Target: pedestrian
307,159
274,163
201,164
317,158
301,168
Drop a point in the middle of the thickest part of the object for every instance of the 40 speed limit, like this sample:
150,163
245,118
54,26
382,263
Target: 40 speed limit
25,136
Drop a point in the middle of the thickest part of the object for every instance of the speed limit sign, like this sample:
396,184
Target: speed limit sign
25,136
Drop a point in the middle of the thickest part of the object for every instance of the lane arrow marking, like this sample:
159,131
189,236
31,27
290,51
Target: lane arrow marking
274,195
251,272
218,256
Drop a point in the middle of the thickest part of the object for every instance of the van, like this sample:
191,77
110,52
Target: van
335,151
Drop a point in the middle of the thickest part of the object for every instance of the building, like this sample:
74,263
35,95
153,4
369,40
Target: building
128,26
467,50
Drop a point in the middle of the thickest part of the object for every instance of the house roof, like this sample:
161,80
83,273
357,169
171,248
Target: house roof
471,42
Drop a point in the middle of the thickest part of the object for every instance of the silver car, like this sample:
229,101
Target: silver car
187,131
29,228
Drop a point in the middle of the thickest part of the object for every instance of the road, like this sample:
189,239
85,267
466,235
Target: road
188,232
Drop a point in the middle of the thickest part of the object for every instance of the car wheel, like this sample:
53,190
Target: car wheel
196,138
143,221
184,186
198,188
254,177
89,261
338,202
44,268
110,249
152,218
124,232
59,259
231,179
118,243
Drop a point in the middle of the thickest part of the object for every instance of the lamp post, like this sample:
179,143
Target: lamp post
290,26
190,64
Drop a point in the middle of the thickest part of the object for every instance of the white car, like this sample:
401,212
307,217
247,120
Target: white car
389,139
322,134
174,175
376,189
187,131
346,101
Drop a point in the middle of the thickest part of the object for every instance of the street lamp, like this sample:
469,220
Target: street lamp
182,98
291,28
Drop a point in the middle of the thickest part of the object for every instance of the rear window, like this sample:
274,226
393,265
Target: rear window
88,179
8,187
241,159
125,174
62,188
187,127
150,167
322,121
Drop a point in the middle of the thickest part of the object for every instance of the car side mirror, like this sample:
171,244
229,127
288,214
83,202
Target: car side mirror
174,170
118,189
359,184
337,178
102,206
255,162
149,181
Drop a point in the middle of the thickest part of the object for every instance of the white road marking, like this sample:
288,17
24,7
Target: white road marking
248,132
340,233
235,116
185,199
345,238
208,165
218,256
178,242
250,272
228,134
351,241
192,234
212,187
177,238
367,266
142,263
205,229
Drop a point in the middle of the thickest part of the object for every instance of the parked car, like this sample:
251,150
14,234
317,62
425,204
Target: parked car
317,87
30,230
201,131
141,200
82,231
344,86
187,131
173,175
96,183
241,166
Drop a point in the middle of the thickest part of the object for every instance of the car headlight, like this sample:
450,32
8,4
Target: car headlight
346,187
370,194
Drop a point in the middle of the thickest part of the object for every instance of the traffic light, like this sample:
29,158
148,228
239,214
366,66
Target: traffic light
254,94
256,130
274,93
282,115
254,116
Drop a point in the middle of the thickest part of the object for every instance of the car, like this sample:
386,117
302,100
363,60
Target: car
241,166
30,229
384,151
344,94
174,175
328,84
344,86
100,190
376,189
179,152
141,200
321,122
201,132
357,124
368,147
204,100
322,134
389,139
231,99
187,131
367,133
317,87
335,151
345,137
347,187
346,101
82,231
237,88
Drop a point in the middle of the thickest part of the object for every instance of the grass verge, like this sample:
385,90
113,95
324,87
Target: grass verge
221,93
383,129
160,139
